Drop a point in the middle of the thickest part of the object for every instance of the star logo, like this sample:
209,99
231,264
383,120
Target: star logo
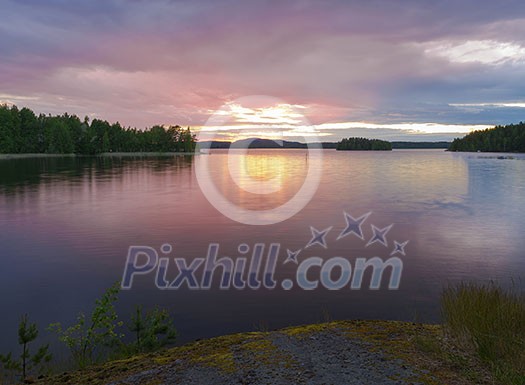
292,256
353,225
318,237
399,248
379,235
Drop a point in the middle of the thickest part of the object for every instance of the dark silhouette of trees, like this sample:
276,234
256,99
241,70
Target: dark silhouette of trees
363,144
21,131
420,145
510,138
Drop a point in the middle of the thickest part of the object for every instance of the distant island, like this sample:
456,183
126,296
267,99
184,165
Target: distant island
420,145
363,144
259,143
23,132
509,138
269,143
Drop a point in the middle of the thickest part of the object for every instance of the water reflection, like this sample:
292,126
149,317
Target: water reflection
66,225
28,172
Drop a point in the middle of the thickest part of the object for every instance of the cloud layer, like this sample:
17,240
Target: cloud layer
379,62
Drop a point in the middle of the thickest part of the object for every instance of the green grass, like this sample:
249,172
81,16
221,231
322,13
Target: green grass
491,321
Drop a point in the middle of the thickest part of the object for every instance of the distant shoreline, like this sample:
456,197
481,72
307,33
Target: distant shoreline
268,143
104,154
154,154
482,155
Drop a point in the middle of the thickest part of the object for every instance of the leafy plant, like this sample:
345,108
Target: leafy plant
87,338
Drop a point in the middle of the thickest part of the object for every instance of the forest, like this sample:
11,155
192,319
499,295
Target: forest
363,144
22,131
509,138
420,145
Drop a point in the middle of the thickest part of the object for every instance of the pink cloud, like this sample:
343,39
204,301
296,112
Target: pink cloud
144,63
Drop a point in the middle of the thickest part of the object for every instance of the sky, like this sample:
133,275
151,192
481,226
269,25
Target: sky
395,70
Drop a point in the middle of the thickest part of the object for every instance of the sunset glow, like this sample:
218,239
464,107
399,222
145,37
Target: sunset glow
429,73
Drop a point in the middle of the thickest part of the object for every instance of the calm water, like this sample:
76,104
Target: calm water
66,225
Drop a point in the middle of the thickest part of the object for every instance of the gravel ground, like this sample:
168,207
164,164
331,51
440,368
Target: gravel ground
339,352
323,358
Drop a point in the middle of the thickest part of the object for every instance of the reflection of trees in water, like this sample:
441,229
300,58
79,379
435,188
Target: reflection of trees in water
19,174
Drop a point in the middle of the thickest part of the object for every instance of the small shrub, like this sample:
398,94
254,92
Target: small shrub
27,333
90,335
153,330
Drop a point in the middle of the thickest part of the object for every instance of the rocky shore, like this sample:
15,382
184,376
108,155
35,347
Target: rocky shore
342,352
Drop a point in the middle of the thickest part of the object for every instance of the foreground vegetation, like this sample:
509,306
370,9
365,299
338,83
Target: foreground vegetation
489,321
22,131
363,144
481,341
510,138
94,338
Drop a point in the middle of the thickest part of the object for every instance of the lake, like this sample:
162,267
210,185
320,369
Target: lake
66,225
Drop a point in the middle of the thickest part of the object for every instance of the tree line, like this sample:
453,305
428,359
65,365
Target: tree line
420,145
22,131
509,138
363,144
